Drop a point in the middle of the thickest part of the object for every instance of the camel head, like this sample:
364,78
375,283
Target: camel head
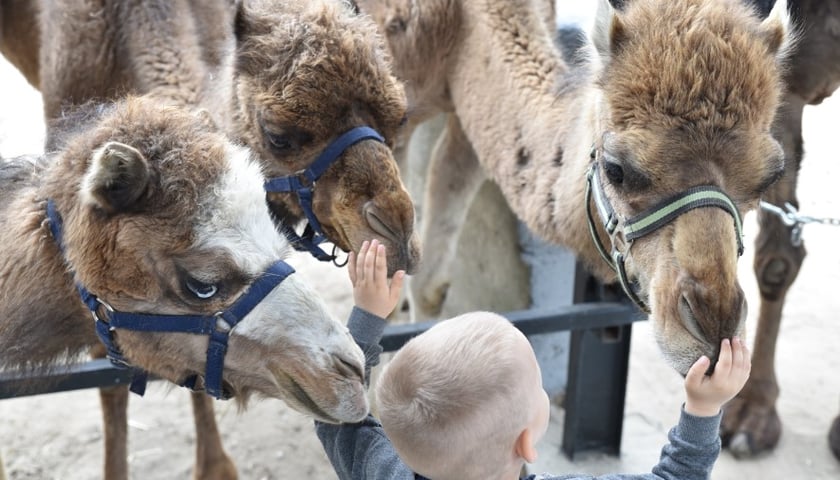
162,216
688,91
306,73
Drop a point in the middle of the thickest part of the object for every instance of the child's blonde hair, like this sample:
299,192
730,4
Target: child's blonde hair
451,399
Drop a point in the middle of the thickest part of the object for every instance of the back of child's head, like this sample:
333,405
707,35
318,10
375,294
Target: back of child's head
450,400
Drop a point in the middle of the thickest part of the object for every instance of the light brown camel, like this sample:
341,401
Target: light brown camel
751,424
682,94
285,78
154,215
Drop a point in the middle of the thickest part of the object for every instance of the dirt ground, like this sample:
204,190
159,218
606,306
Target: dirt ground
58,436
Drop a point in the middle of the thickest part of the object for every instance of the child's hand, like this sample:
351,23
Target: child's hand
706,395
369,275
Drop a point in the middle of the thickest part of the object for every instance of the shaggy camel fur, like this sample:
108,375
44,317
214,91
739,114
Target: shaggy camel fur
283,77
664,112
163,215
751,424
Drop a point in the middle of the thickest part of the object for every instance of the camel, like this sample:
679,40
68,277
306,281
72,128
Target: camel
284,78
751,424
153,222
652,116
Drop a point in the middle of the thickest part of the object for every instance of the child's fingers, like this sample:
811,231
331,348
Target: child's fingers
695,374
370,261
351,267
724,364
396,286
360,260
381,266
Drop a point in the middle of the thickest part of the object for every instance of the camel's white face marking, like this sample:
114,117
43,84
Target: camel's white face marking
236,217
236,220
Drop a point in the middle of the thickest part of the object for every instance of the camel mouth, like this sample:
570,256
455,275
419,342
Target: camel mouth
303,398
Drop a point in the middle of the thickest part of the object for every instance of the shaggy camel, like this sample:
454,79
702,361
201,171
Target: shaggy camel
751,424
653,116
285,78
160,223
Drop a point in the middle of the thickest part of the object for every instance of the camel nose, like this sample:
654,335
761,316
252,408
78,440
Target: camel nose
349,367
712,314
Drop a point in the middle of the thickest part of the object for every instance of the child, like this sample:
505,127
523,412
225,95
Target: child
465,399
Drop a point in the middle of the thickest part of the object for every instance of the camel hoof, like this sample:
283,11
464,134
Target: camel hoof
749,429
741,446
834,437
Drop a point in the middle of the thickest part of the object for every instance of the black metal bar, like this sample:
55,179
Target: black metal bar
91,374
596,385
582,316
100,372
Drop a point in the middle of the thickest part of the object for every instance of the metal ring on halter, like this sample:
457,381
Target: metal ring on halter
335,257
108,308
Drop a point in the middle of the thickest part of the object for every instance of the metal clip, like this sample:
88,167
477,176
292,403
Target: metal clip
791,218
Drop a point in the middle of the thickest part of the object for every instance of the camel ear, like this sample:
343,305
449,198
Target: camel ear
609,33
777,30
116,179
246,26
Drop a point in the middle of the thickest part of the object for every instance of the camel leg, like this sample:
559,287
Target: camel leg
751,424
834,437
453,178
114,402
211,461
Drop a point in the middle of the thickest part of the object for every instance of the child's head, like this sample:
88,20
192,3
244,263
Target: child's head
464,399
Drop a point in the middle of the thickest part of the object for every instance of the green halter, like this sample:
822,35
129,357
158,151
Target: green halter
623,231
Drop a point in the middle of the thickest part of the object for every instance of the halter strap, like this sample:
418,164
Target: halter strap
218,327
303,184
648,221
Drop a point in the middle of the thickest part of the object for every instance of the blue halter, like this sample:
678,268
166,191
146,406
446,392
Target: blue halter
303,184
217,327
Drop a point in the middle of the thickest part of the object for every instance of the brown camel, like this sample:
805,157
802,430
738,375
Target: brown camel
660,113
285,78
161,224
751,424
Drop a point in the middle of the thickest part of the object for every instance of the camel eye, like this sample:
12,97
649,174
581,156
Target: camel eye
614,172
278,143
200,289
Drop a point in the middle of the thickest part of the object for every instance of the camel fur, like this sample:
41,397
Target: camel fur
751,424
154,201
285,78
646,102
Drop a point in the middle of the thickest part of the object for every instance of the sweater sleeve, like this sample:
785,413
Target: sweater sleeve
693,448
361,450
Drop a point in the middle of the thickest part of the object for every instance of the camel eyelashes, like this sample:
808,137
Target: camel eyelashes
280,143
614,172
200,289
287,141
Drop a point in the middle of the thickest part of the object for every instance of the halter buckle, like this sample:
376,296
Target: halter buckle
108,308
222,325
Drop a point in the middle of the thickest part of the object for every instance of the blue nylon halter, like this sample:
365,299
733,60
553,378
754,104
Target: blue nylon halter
217,327
303,184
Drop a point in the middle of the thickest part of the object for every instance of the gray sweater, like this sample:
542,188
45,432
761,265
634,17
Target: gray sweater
361,451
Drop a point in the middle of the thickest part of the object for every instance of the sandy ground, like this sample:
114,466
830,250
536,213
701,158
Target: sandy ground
58,436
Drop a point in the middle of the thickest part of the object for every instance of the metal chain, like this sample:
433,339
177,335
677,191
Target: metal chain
791,217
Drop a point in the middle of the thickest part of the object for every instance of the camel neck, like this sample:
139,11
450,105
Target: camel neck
530,118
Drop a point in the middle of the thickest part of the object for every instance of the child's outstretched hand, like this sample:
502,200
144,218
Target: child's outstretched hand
369,276
705,395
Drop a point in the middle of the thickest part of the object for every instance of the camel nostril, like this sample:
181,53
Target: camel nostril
378,224
689,319
349,368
